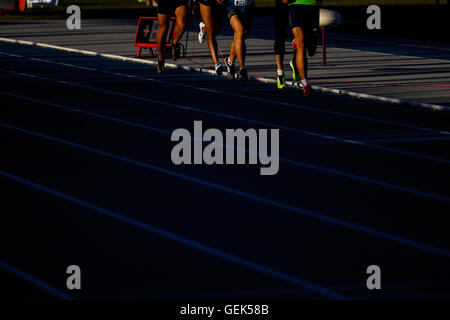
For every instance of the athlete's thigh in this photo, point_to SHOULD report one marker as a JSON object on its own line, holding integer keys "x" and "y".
{"x": 235, "y": 22}
{"x": 181, "y": 13}
{"x": 162, "y": 19}
{"x": 206, "y": 12}
{"x": 281, "y": 20}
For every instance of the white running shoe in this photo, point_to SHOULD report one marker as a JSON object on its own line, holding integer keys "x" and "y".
{"x": 201, "y": 34}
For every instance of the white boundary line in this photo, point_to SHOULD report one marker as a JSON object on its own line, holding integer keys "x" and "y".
{"x": 258, "y": 79}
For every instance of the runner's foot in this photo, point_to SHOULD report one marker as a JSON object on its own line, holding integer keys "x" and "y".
{"x": 281, "y": 83}
{"x": 243, "y": 75}
{"x": 219, "y": 69}
{"x": 307, "y": 91}
{"x": 201, "y": 34}
{"x": 295, "y": 73}
{"x": 175, "y": 51}
{"x": 161, "y": 67}
{"x": 231, "y": 69}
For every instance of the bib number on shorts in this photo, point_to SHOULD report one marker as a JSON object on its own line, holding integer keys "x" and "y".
{"x": 242, "y": 3}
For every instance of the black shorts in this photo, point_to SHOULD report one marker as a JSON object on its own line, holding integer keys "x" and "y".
{"x": 245, "y": 14}
{"x": 209, "y": 3}
{"x": 305, "y": 17}
{"x": 167, "y": 7}
{"x": 281, "y": 24}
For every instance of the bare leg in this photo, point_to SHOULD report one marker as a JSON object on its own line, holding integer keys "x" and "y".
{"x": 232, "y": 53}
{"x": 161, "y": 35}
{"x": 300, "y": 57}
{"x": 181, "y": 14}
{"x": 238, "y": 47}
{"x": 279, "y": 58}
{"x": 212, "y": 29}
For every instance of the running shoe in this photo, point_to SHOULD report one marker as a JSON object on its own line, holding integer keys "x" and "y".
{"x": 295, "y": 74}
{"x": 201, "y": 34}
{"x": 175, "y": 51}
{"x": 231, "y": 69}
{"x": 243, "y": 75}
{"x": 161, "y": 67}
{"x": 219, "y": 69}
{"x": 281, "y": 83}
{"x": 307, "y": 91}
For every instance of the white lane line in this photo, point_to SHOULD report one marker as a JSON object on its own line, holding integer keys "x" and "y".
{"x": 407, "y": 139}
{"x": 236, "y": 192}
{"x": 314, "y": 109}
{"x": 282, "y": 159}
{"x": 34, "y": 280}
{"x": 260, "y": 79}
{"x": 192, "y": 243}
{"x": 234, "y": 117}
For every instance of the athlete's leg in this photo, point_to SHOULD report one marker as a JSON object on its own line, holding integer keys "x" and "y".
{"x": 161, "y": 35}
{"x": 313, "y": 32}
{"x": 300, "y": 57}
{"x": 238, "y": 46}
{"x": 232, "y": 53}
{"x": 281, "y": 18}
{"x": 207, "y": 16}
{"x": 312, "y": 44}
{"x": 181, "y": 14}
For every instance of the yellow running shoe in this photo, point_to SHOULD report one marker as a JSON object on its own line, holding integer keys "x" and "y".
{"x": 295, "y": 74}
{"x": 281, "y": 83}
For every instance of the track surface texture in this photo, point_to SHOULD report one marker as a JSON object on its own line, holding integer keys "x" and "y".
{"x": 87, "y": 179}
{"x": 370, "y": 64}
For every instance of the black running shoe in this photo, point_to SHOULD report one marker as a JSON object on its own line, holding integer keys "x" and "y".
{"x": 231, "y": 69}
{"x": 161, "y": 67}
{"x": 219, "y": 69}
{"x": 175, "y": 51}
{"x": 243, "y": 75}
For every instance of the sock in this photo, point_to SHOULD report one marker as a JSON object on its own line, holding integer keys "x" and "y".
{"x": 304, "y": 83}
{"x": 280, "y": 72}
{"x": 229, "y": 62}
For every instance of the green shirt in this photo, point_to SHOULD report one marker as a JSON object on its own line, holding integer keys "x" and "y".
{"x": 307, "y": 2}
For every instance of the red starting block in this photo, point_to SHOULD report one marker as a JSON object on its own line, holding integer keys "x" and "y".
{"x": 146, "y": 34}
